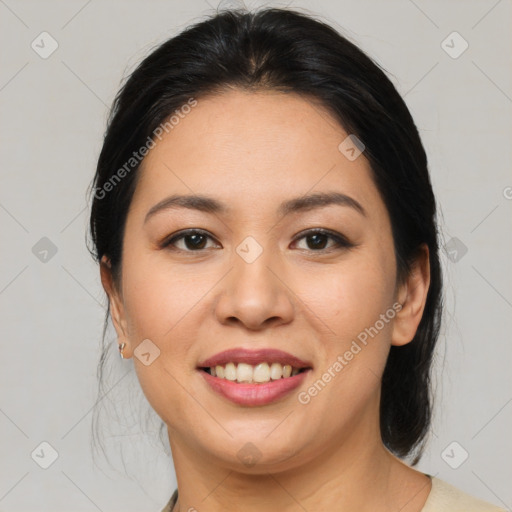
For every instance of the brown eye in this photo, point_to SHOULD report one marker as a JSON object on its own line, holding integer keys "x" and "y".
{"x": 317, "y": 240}
{"x": 193, "y": 241}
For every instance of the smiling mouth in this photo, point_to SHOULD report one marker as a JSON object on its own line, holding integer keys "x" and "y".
{"x": 253, "y": 374}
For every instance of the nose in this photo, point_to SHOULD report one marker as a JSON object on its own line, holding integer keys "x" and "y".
{"x": 255, "y": 294}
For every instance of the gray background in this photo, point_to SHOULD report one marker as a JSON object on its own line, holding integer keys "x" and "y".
{"x": 53, "y": 117}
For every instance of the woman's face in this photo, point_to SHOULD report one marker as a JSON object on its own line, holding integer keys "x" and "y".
{"x": 258, "y": 276}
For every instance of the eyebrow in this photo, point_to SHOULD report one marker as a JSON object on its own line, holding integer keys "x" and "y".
{"x": 299, "y": 204}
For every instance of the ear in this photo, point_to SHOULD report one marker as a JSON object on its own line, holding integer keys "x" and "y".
{"x": 116, "y": 304}
{"x": 412, "y": 295}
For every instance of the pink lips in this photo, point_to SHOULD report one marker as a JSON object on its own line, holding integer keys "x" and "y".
{"x": 252, "y": 394}
{"x": 253, "y": 357}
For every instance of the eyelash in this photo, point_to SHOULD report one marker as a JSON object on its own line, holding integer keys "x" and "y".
{"x": 340, "y": 241}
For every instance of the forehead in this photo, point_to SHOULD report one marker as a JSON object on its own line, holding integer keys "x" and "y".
{"x": 239, "y": 123}
{"x": 252, "y": 148}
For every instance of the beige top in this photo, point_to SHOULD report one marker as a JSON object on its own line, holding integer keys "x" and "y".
{"x": 443, "y": 497}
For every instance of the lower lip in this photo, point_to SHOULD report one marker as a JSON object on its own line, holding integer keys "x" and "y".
{"x": 254, "y": 394}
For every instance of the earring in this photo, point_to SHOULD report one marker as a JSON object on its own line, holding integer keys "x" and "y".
{"x": 121, "y": 348}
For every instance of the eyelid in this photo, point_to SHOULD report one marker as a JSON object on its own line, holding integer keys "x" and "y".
{"x": 340, "y": 240}
{"x": 323, "y": 231}
{"x": 166, "y": 242}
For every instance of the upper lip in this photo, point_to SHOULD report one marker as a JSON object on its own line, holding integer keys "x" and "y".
{"x": 253, "y": 357}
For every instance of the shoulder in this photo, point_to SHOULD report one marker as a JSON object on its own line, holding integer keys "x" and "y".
{"x": 171, "y": 502}
{"x": 446, "y": 498}
{"x": 442, "y": 498}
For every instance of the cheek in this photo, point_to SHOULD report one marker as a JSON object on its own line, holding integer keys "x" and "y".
{"x": 351, "y": 361}
{"x": 164, "y": 307}
{"x": 160, "y": 298}
{"x": 354, "y": 295}
{"x": 355, "y": 302}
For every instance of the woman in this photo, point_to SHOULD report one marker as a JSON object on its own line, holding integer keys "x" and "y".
{"x": 266, "y": 231}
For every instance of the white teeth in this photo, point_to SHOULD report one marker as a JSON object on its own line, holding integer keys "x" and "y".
{"x": 230, "y": 371}
{"x": 276, "y": 371}
{"x": 244, "y": 372}
{"x": 260, "y": 373}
